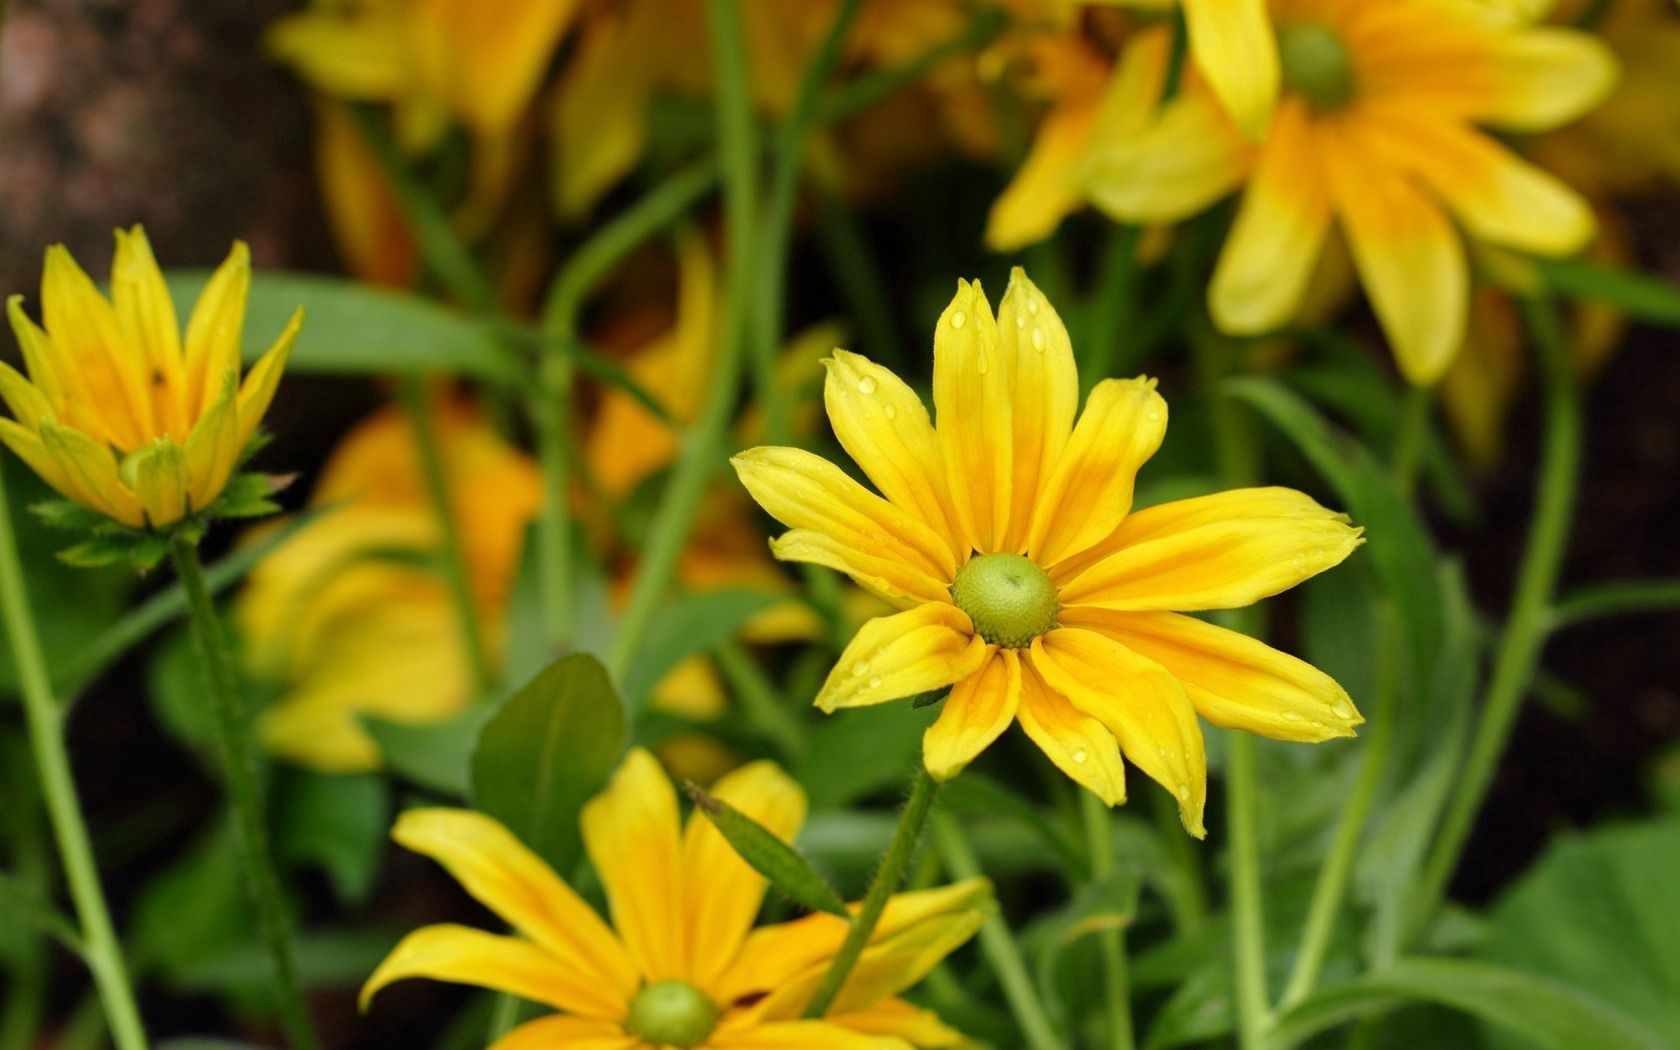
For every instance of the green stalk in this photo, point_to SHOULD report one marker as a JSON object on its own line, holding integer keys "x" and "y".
{"x": 703, "y": 448}
{"x": 1412, "y": 437}
{"x": 239, "y": 766}
{"x": 788, "y": 155}
{"x": 413, "y": 393}
{"x": 1338, "y": 865}
{"x": 997, "y": 944}
{"x": 888, "y": 877}
{"x": 1530, "y": 619}
{"x": 1113, "y": 305}
{"x": 1117, "y": 993}
{"x": 759, "y": 702}
{"x": 45, "y": 716}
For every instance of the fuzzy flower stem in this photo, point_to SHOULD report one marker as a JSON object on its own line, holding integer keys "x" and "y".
{"x": 1530, "y": 618}
{"x": 46, "y": 739}
{"x": 888, "y": 877}
{"x": 239, "y": 766}
{"x": 1117, "y": 994}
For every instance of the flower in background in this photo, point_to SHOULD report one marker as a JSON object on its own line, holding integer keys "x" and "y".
{"x": 1377, "y": 131}
{"x": 681, "y": 964}
{"x": 1028, "y": 585}
{"x": 121, "y": 413}
{"x": 345, "y": 614}
{"x": 1236, "y": 52}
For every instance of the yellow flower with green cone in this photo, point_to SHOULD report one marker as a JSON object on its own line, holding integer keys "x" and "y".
{"x": 681, "y": 964}
{"x": 122, "y": 413}
{"x": 1379, "y": 130}
{"x": 1027, "y": 583}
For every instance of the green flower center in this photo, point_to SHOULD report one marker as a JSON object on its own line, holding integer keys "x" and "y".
{"x": 1010, "y": 600}
{"x": 1317, "y": 64}
{"x": 671, "y": 1013}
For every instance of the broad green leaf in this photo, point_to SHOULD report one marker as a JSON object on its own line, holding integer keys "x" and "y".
{"x": 335, "y": 823}
{"x": 858, "y": 753}
{"x": 790, "y": 873}
{"x": 436, "y": 755}
{"x": 1641, "y": 296}
{"x": 359, "y": 329}
{"x": 690, "y": 625}
{"x": 1599, "y": 911}
{"x": 1548, "y": 1014}
{"x": 545, "y": 751}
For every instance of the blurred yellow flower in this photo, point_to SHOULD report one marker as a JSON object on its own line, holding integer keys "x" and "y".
{"x": 343, "y": 616}
{"x": 681, "y": 965}
{"x": 1029, "y": 587}
{"x": 121, "y": 413}
{"x": 1377, "y": 130}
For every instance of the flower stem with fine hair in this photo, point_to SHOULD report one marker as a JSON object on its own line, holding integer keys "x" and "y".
{"x": 232, "y": 732}
{"x": 45, "y": 717}
{"x": 888, "y": 877}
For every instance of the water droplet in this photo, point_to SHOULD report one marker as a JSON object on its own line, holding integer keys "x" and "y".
{"x": 1343, "y": 711}
{"x": 1155, "y": 415}
{"x": 875, "y": 683}
{"x": 1291, "y": 716}
{"x": 860, "y": 668}
{"x": 1020, "y": 321}
{"x": 982, "y": 364}
{"x": 1079, "y": 757}
{"x": 959, "y": 319}
{"x": 1032, "y": 307}
{"x": 866, "y": 385}
{"x": 1184, "y": 792}
{"x": 1164, "y": 752}
{"x": 1038, "y": 339}
{"x": 892, "y": 413}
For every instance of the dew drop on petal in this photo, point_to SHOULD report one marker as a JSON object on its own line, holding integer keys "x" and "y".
{"x": 982, "y": 364}
{"x": 1184, "y": 792}
{"x": 1155, "y": 415}
{"x": 959, "y": 319}
{"x": 866, "y": 385}
{"x": 892, "y": 413}
{"x": 1080, "y": 756}
{"x": 1038, "y": 339}
{"x": 875, "y": 683}
{"x": 1291, "y": 716}
{"x": 1343, "y": 711}
{"x": 860, "y": 668}
{"x": 1020, "y": 321}
{"x": 1032, "y": 307}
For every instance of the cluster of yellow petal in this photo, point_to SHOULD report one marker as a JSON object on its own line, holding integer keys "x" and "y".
{"x": 120, "y": 413}
{"x": 682, "y": 904}
{"x": 343, "y": 617}
{"x": 1008, "y": 469}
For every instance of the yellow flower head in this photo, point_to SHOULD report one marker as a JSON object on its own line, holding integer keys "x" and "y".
{"x": 1377, "y": 130}
{"x": 347, "y": 626}
{"x": 1028, "y": 586}
{"x": 681, "y": 965}
{"x": 121, "y": 413}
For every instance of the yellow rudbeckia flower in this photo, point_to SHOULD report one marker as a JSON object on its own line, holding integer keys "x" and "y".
{"x": 1028, "y": 585}
{"x": 1378, "y": 130}
{"x": 121, "y": 413}
{"x": 681, "y": 965}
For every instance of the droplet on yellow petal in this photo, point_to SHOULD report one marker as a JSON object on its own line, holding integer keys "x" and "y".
{"x": 1079, "y": 745}
{"x": 1045, "y": 397}
{"x": 892, "y": 657}
{"x": 976, "y": 713}
{"x": 972, "y": 396}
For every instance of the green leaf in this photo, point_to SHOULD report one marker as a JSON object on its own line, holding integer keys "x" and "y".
{"x": 336, "y": 823}
{"x": 768, "y": 855}
{"x": 858, "y": 753}
{"x": 1640, "y": 296}
{"x": 325, "y": 959}
{"x": 975, "y": 795}
{"x": 21, "y": 906}
{"x": 689, "y": 625}
{"x": 434, "y": 755}
{"x": 1548, "y": 1014}
{"x": 193, "y": 908}
{"x": 1109, "y": 904}
{"x": 1598, "y": 911}
{"x": 352, "y": 328}
{"x": 545, "y": 751}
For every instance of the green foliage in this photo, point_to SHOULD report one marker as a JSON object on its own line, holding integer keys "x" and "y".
{"x": 780, "y": 863}
{"x": 689, "y": 625}
{"x": 337, "y": 824}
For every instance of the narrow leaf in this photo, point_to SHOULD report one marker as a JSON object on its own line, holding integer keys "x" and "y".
{"x": 768, "y": 855}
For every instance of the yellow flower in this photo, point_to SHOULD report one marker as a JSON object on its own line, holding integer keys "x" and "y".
{"x": 1377, "y": 130}
{"x": 348, "y": 626}
{"x": 120, "y": 413}
{"x": 1028, "y": 586}
{"x": 681, "y": 965}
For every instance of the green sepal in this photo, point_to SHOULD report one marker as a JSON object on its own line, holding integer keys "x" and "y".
{"x": 929, "y": 698}
{"x": 768, "y": 855}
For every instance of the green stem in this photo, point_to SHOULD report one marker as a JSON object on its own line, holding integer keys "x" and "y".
{"x": 703, "y": 448}
{"x": 857, "y": 275}
{"x": 758, "y": 699}
{"x": 870, "y": 88}
{"x": 888, "y": 877}
{"x": 1530, "y": 618}
{"x": 1605, "y": 600}
{"x": 25, "y": 1002}
{"x": 239, "y": 766}
{"x": 1112, "y": 306}
{"x": 789, "y": 153}
{"x": 1412, "y": 437}
{"x": 52, "y": 763}
{"x": 1117, "y": 995}
{"x": 997, "y": 944}
{"x": 456, "y": 575}
{"x": 1338, "y": 865}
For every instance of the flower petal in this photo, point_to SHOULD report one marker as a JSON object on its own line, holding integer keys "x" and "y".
{"x": 721, "y": 894}
{"x": 83, "y": 324}
{"x": 1235, "y": 50}
{"x": 1090, "y": 491}
{"x": 894, "y": 1017}
{"x": 630, "y": 831}
{"x": 1078, "y": 744}
{"x": 214, "y": 329}
{"x": 1186, "y": 159}
{"x": 979, "y": 708}
{"x": 1206, "y": 553}
{"x": 800, "y": 1035}
{"x": 90, "y": 471}
{"x": 1408, "y": 255}
{"x": 563, "y": 1032}
{"x": 1045, "y": 397}
{"x": 806, "y": 492}
{"x": 157, "y": 474}
{"x": 213, "y": 447}
{"x": 463, "y": 955}
{"x": 1140, "y": 703}
{"x": 928, "y": 647}
{"x": 47, "y": 369}
{"x": 599, "y": 119}
{"x": 1233, "y": 680}
{"x": 1044, "y": 190}
{"x": 257, "y": 392}
{"x": 504, "y": 875}
{"x": 885, "y": 428}
{"x": 972, "y": 381}
{"x": 26, "y": 400}
{"x": 147, "y": 316}
{"x": 355, "y": 58}
{"x": 1279, "y": 232}
{"x": 1543, "y": 77}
